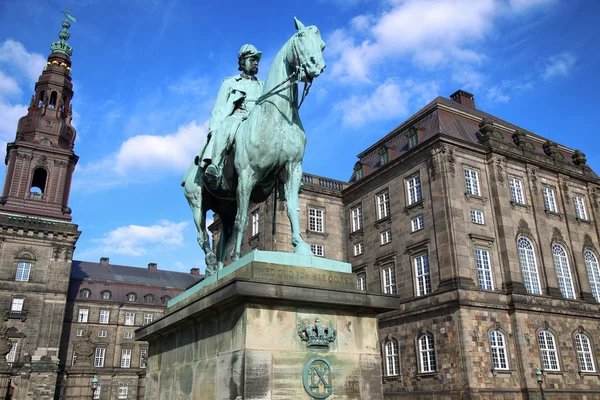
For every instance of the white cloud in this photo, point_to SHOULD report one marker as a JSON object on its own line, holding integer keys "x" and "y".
{"x": 134, "y": 240}
{"x": 559, "y": 65}
{"x": 495, "y": 94}
{"x": 468, "y": 79}
{"x": 8, "y": 86}
{"x": 10, "y": 117}
{"x": 14, "y": 55}
{"x": 526, "y": 5}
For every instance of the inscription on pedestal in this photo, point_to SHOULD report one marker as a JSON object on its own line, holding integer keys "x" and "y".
{"x": 304, "y": 275}
{"x": 317, "y": 378}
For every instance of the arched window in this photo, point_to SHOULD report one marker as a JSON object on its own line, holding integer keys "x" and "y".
{"x": 384, "y": 156}
{"x": 548, "y": 351}
{"x": 531, "y": 279}
{"x": 85, "y": 293}
{"x": 498, "y": 346}
{"x": 584, "y": 353}
{"x": 563, "y": 273}
{"x": 106, "y": 295}
{"x": 149, "y": 298}
{"x": 165, "y": 299}
{"x": 427, "y": 353}
{"x": 38, "y": 183}
{"x": 358, "y": 169}
{"x": 41, "y": 98}
{"x": 131, "y": 297}
{"x": 591, "y": 263}
{"x": 53, "y": 97}
{"x": 392, "y": 358}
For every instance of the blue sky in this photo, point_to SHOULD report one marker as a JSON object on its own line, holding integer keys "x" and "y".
{"x": 146, "y": 73}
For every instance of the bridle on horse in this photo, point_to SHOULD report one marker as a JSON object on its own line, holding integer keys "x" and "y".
{"x": 292, "y": 78}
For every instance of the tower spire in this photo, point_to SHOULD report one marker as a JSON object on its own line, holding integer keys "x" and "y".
{"x": 62, "y": 46}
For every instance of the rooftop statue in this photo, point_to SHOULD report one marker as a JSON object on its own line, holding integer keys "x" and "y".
{"x": 256, "y": 144}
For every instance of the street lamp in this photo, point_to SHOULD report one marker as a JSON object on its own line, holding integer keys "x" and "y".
{"x": 540, "y": 380}
{"x": 94, "y": 386}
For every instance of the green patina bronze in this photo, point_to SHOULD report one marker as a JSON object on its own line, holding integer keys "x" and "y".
{"x": 316, "y": 378}
{"x": 62, "y": 46}
{"x": 257, "y": 145}
{"x": 317, "y": 336}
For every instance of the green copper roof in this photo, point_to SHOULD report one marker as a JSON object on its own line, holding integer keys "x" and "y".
{"x": 62, "y": 46}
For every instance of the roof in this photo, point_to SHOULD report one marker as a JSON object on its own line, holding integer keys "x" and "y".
{"x": 81, "y": 270}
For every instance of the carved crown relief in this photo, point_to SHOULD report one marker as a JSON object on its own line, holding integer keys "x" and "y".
{"x": 523, "y": 228}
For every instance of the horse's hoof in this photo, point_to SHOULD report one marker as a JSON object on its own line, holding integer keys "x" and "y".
{"x": 303, "y": 249}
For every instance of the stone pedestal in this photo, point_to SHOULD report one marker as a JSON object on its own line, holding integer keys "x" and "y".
{"x": 252, "y": 333}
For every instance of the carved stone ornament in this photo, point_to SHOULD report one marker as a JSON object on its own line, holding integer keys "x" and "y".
{"x": 557, "y": 236}
{"x": 550, "y": 148}
{"x": 5, "y": 343}
{"x": 317, "y": 336}
{"x": 84, "y": 348}
{"x": 565, "y": 187}
{"x": 579, "y": 158}
{"x": 534, "y": 180}
{"x": 519, "y": 137}
{"x": 580, "y": 329}
{"x": 588, "y": 243}
{"x": 486, "y": 127}
{"x": 500, "y": 170}
{"x": 546, "y": 325}
{"x": 433, "y": 164}
{"x": 451, "y": 160}
{"x": 523, "y": 229}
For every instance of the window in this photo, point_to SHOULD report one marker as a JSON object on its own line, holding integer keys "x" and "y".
{"x": 255, "y": 223}
{"x": 422, "y": 274}
{"x": 580, "y": 210}
{"x": 358, "y": 169}
{"x": 23, "y": 270}
{"x": 563, "y": 273}
{"x": 130, "y": 318}
{"x": 484, "y": 271}
{"x": 528, "y": 266}
{"x": 131, "y": 297}
{"x": 149, "y": 298}
{"x": 99, "y": 357}
{"x": 125, "y": 358}
{"x": 383, "y": 205}
{"x": 79, "y": 332}
{"x": 102, "y": 333}
{"x": 74, "y": 359}
{"x": 388, "y": 280}
{"x": 85, "y": 293}
{"x": 417, "y": 223}
{"x": 548, "y": 351}
{"x": 392, "y": 358}
{"x": 413, "y": 139}
{"x": 97, "y": 392}
{"x": 12, "y": 354}
{"x": 317, "y": 250}
{"x": 82, "y": 316}
{"x": 122, "y": 392}
{"x": 17, "y": 304}
{"x": 361, "y": 281}
{"x": 549, "y": 200}
{"x": 477, "y": 217}
{"x": 359, "y": 248}
{"x": 498, "y": 346}
{"x": 106, "y": 295}
{"x": 472, "y": 182}
{"x": 128, "y": 335}
{"x": 104, "y": 317}
{"x": 315, "y": 220}
{"x": 356, "y": 218}
{"x": 386, "y": 236}
{"x": 413, "y": 188}
{"x": 593, "y": 270}
{"x": 147, "y": 318}
{"x": 384, "y": 156}
{"x": 516, "y": 191}
{"x": 427, "y": 353}
{"x": 143, "y": 357}
{"x": 584, "y": 353}
{"x": 165, "y": 299}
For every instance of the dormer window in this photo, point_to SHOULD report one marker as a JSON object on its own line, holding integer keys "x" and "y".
{"x": 413, "y": 138}
{"x": 131, "y": 297}
{"x": 106, "y": 295}
{"x": 85, "y": 293}
{"x": 384, "y": 156}
{"x": 358, "y": 169}
{"x": 149, "y": 298}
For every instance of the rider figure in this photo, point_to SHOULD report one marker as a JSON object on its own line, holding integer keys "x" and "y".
{"x": 236, "y": 98}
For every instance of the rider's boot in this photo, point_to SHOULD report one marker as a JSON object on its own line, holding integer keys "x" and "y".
{"x": 212, "y": 175}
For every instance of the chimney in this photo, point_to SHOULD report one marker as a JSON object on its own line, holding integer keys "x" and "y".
{"x": 152, "y": 267}
{"x": 465, "y": 98}
{"x": 195, "y": 271}
{"x": 103, "y": 260}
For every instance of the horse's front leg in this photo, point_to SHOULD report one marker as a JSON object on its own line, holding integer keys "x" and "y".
{"x": 292, "y": 187}
{"x": 227, "y": 223}
{"x": 210, "y": 258}
{"x": 244, "y": 189}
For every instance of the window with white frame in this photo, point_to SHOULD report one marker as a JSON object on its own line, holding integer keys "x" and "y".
{"x": 388, "y": 279}
{"x": 417, "y": 223}
{"x": 386, "y": 236}
{"x": 129, "y": 318}
{"x": 23, "y": 271}
{"x": 563, "y": 272}
{"x": 356, "y": 218}
{"x": 79, "y": 332}
{"x": 97, "y": 392}
{"x": 104, "y": 317}
{"x": 361, "y": 281}
{"x": 12, "y": 354}
{"x": 106, "y": 295}
{"x": 548, "y": 352}
{"x": 102, "y": 333}
{"x": 413, "y": 189}
{"x": 99, "y": 357}
{"x": 498, "y": 347}
{"x": 516, "y": 191}
{"x": 128, "y": 335}
{"x": 17, "y": 304}
{"x": 422, "y": 276}
{"x": 125, "y": 358}
{"x": 148, "y": 318}
{"x": 317, "y": 250}
{"x": 413, "y": 139}
{"x": 74, "y": 359}
{"x": 580, "y": 210}
{"x": 122, "y": 393}
{"x": 484, "y": 269}
{"x": 427, "y": 353}
{"x": 255, "y": 223}
{"x": 383, "y": 204}
{"x": 392, "y": 358}
{"x": 549, "y": 200}
{"x": 143, "y": 357}
{"x": 315, "y": 219}
{"x": 384, "y": 156}
{"x": 82, "y": 315}
{"x": 472, "y": 182}
{"x": 477, "y": 217}
{"x": 593, "y": 270}
{"x": 359, "y": 248}
{"x": 584, "y": 353}
{"x": 531, "y": 278}
{"x": 131, "y": 297}
{"x": 85, "y": 293}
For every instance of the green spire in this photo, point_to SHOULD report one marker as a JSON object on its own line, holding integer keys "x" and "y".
{"x": 62, "y": 46}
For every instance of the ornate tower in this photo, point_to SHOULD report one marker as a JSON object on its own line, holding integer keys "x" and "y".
{"x": 40, "y": 162}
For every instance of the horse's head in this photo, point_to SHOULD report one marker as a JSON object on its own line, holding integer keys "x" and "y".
{"x": 308, "y": 48}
